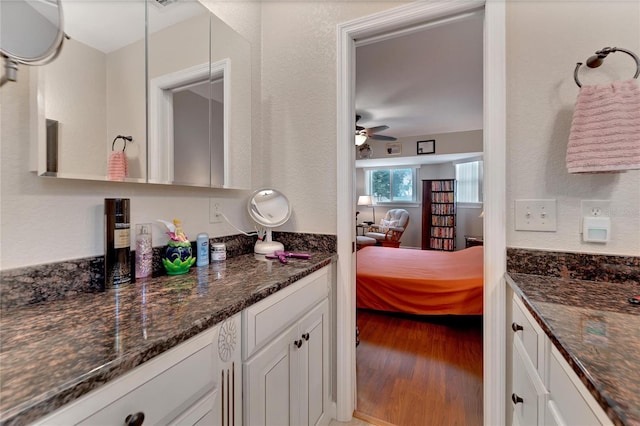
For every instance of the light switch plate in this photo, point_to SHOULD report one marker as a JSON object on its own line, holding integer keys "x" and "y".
{"x": 536, "y": 215}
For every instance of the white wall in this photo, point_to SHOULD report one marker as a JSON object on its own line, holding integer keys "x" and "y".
{"x": 544, "y": 42}
{"x": 78, "y": 122}
{"x": 446, "y": 143}
{"x": 299, "y": 104}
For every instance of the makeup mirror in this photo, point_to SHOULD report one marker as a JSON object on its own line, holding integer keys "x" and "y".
{"x": 31, "y": 33}
{"x": 269, "y": 208}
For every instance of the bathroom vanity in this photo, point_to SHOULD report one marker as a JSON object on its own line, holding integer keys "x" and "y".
{"x": 572, "y": 348}
{"x": 175, "y": 349}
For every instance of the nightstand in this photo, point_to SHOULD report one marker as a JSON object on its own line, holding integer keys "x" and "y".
{"x": 470, "y": 241}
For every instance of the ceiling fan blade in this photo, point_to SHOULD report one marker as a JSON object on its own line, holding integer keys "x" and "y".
{"x": 382, "y": 138}
{"x": 358, "y": 128}
{"x": 376, "y": 129}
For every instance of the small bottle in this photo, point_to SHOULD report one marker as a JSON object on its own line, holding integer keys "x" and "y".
{"x": 117, "y": 242}
{"x": 144, "y": 251}
{"x": 218, "y": 252}
{"x": 202, "y": 244}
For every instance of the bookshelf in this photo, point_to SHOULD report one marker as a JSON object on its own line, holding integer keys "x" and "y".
{"x": 438, "y": 215}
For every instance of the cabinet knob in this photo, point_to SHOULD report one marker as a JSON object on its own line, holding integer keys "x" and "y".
{"x": 298, "y": 343}
{"x": 516, "y": 399}
{"x": 305, "y": 336}
{"x": 134, "y": 419}
{"x": 516, "y": 327}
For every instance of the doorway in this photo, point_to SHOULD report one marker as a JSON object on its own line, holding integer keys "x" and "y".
{"x": 422, "y": 83}
{"x": 494, "y": 183}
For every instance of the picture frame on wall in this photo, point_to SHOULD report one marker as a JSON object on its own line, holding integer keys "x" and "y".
{"x": 427, "y": 147}
{"x": 394, "y": 149}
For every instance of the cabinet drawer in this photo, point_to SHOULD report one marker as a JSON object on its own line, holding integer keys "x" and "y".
{"x": 572, "y": 402}
{"x": 527, "y": 331}
{"x": 162, "y": 388}
{"x": 269, "y": 317}
{"x": 525, "y": 385}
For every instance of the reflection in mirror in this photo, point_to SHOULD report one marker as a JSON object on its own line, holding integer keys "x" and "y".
{"x": 269, "y": 208}
{"x": 95, "y": 91}
{"x": 179, "y": 94}
{"x": 98, "y": 92}
{"x": 31, "y": 32}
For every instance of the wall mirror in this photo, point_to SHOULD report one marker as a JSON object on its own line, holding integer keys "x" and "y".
{"x": 184, "y": 99}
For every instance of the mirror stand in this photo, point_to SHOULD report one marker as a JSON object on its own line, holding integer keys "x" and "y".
{"x": 268, "y": 246}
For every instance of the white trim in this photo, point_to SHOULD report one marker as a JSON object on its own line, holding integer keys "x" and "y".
{"x": 494, "y": 195}
{"x": 160, "y": 142}
{"x": 494, "y": 155}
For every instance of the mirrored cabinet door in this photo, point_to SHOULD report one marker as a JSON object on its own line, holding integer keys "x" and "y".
{"x": 93, "y": 92}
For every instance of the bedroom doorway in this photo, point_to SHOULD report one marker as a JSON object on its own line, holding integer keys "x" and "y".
{"x": 494, "y": 184}
{"x": 418, "y": 84}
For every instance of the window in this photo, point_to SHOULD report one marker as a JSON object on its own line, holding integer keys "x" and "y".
{"x": 469, "y": 182}
{"x": 398, "y": 185}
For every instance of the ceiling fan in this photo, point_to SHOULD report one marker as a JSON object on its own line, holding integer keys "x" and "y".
{"x": 362, "y": 133}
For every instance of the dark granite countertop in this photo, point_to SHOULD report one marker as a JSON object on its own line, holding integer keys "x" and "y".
{"x": 54, "y": 352}
{"x": 598, "y": 332}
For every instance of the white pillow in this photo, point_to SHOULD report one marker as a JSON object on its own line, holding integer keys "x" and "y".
{"x": 386, "y": 224}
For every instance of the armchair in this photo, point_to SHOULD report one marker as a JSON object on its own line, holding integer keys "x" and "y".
{"x": 390, "y": 230}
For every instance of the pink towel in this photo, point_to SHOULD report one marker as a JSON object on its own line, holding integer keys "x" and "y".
{"x": 605, "y": 131}
{"x": 117, "y": 166}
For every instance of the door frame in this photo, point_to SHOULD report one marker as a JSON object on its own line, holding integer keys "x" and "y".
{"x": 494, "y": 136}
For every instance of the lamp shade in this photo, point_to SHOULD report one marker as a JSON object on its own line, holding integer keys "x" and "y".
{"x": 365, "y": 200}
{"x": 360, "y": 139}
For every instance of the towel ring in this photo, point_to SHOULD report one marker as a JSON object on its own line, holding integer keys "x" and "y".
{"x": 124, "y": 138}
{"x": 596, "y": 60}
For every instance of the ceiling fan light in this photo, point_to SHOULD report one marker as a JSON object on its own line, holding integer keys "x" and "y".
{"x": 360, "y": 139}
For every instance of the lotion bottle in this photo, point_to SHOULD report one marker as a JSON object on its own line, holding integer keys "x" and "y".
{"x": 144, "y": 250}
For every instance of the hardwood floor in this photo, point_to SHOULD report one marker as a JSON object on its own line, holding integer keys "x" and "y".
{"x": 416, "y": 371}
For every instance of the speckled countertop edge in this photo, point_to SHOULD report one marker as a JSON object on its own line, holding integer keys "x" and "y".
{"x": 614, "y": 409}
{"x": 165, "y": 310}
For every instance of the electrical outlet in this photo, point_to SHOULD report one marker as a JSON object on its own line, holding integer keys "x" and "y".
{"x": 215, "y": 210}
{"x": 594, "y": 208}
{"x": 535, "y": 215}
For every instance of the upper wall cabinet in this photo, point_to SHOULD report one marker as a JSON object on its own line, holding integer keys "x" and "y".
{"x": 174, "y": 95}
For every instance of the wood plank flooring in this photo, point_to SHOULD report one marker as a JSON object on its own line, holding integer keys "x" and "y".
{"x": 417, "y": 371}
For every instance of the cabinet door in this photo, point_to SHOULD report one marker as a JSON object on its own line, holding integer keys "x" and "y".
{"x": 313, "y": 364}
{"x": 228, "y": 403}
{"x": 269, "y": 396}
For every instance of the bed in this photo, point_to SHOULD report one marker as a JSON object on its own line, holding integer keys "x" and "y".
{"x": 422, "y": 282}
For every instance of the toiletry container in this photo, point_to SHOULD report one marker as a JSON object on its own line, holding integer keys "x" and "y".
{"x": 218, "y": 252}
{"x": 202, "y": 244}
{"x": 117, "y": 242}
{"x": 144, "y": 251}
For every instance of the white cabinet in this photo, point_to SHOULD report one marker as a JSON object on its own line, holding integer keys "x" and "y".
{"x": 543, "y": 388}
{"x": 286, "y": 377}
{"x": 227, "y": 409}
{"x": 183, "y": 386}
{"x": 180, "y": 383}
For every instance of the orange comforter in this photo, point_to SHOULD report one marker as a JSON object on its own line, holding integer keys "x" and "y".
{"x": 420, "y": 281}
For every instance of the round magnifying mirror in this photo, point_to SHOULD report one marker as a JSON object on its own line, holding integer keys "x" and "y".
{"x": 31, "y": 32}
{"x": 269, "y": 208}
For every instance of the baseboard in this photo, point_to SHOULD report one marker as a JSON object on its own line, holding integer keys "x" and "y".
{"x": 370, "y": 419}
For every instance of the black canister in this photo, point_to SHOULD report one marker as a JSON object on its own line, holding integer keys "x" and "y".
{"x": 117, "y": 242}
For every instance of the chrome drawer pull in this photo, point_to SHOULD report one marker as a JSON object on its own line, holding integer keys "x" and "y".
{"x": 516, "y": 327}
